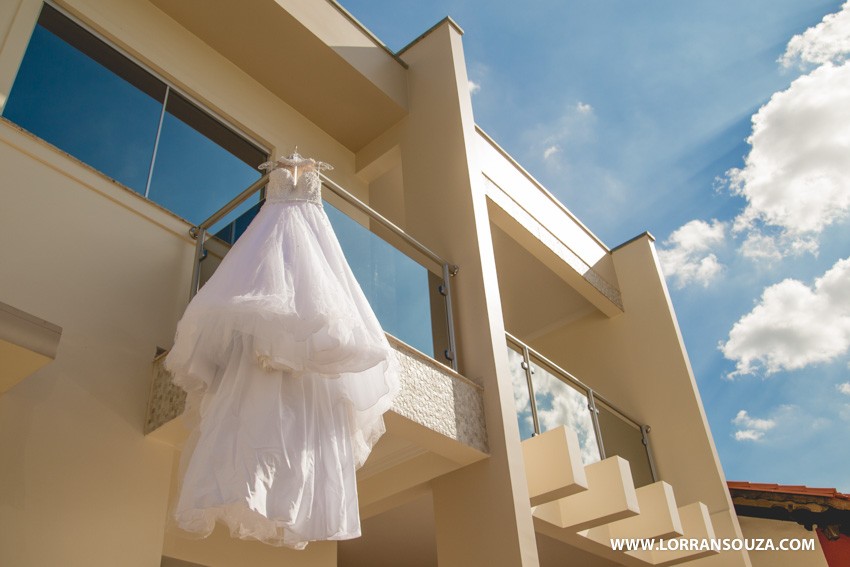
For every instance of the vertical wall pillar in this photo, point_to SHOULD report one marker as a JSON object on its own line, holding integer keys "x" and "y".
{"x": 482, "y": 512}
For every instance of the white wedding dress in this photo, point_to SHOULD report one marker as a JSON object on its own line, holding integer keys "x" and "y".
{"x": 289, "y": 374}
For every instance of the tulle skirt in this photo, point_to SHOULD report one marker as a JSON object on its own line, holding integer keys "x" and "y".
{"x": 288, "y": 374}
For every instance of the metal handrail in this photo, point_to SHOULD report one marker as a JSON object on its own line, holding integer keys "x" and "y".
{"x": 340, "y": 192}
{"x": 449, "y": 270}
{"x": 234, "y": 202}
{"x": 592, "y": 396}
{"x": 199, "y": 232}
{"x": 568, "y": 375}
{"x": 363, "y": 207}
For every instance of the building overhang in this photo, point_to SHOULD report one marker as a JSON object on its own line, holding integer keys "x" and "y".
{"x": 522, "y": 208}
{"x": 26, "y": 344}
{"x": 313, "y": 56}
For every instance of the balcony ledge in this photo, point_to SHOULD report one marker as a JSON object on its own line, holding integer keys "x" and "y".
{"x": 26, "y": 344}
{"x": 435, "y": 426}
{"x": 432, "y": 395}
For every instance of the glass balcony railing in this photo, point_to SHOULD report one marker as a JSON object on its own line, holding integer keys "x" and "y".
{"x": 406, "y": 284}
{"x": 546, "y": 397}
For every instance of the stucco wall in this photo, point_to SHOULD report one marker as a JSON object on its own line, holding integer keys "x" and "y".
{"x": 79, "y": 484}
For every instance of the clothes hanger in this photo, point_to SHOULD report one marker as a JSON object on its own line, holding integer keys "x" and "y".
{"x": 293, "y": 161}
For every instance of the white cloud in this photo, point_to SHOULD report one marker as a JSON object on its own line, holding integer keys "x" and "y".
{"x": 759, "y": 246}
{"x": 748, "y": 435}
{"x": 474, "y": 87}
{"x": 844, "y": 388}
{"x": 745, "y": 420}
{"x": 750, "y": 428}
{"x": 564, "y": 138}
{"x": 794, "y": 325}
{"x": 550, "y": 151}
{"x": 559, "y": 404}
{"x": 687, "y": 257}
{"x": 829, "y": 41}
{"x": 796, "y": 177}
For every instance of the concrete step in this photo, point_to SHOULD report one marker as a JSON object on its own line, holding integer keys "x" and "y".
{"x": 610, "y": 496}
{"x": 658, "y": 518}
{"x": 553, "y": 467}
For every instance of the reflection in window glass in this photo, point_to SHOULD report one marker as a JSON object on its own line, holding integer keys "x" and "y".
{"x": 70, "y": 92}
{"x": 395, "y": 285}
{"x": 200, "y": 165}
{"x": 522, "y": 399}
{"x": 558, "y": 403}
{"x": 623, "y": 438}
{"x": 81, "y": 95}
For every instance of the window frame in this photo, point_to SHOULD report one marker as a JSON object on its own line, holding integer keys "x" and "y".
{"x": 157, "y": 75}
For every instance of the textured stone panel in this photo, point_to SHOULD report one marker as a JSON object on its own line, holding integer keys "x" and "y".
{"x": 166, "y": 400}
{"x": 439, "y": 398}
{"x": 431, "y": 394}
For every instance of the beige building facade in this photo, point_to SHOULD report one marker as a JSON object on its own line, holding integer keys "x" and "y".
{"x": 548, "y": 403}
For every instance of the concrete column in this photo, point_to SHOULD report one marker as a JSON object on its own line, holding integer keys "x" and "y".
{"x": 482, "y": 512}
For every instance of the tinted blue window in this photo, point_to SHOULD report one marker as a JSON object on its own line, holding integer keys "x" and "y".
{"x": 78, "y": 105}
{"x": 81, "y": 95}
{"x": 200, "y": 165}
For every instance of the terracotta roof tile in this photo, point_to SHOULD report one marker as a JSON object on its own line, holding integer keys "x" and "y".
{"x": 788, "y": 489}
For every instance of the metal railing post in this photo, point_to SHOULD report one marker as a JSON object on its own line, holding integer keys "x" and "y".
{"x": 451, "y": 353}
{"x": 201, "y": 235}
{"x": 594, "y": 416}
{"x": 526, "y": 365}
{"x": 644, "y": 433}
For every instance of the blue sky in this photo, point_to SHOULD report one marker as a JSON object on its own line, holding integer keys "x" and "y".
{"x": 637, "y": 117}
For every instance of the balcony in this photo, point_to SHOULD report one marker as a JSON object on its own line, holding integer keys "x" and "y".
{"x": 595, "y": 357}
{"x": 589, "y": 463}
{"x": 437, "y": 422}
{"x": 548, "y": 397}
{"x": 589, "y": 467}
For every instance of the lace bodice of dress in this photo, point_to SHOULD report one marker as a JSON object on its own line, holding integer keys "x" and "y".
{"x": 284, "y": 187}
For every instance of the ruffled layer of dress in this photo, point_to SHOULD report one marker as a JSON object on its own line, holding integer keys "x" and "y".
{"x": 289, "y": 374}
